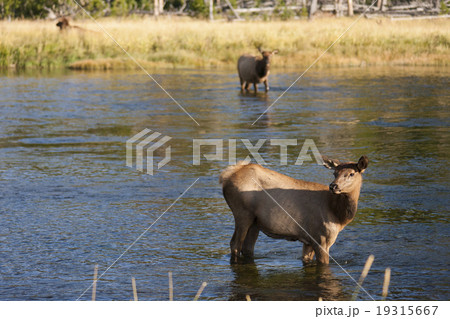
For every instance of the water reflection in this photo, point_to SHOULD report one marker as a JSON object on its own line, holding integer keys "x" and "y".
{"x": 307, "y": 283}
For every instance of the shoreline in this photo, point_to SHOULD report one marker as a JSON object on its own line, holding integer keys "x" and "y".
{"x": 188, "y": 43}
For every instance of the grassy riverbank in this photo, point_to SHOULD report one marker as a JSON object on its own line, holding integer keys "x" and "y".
{"x": 193, "y": 43}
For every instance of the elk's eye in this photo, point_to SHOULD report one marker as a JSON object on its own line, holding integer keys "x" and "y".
{"x": 352, "y": 174}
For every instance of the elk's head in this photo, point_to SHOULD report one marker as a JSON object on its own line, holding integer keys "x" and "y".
{"x": 267, "y": 55}
{"x": 347, "y": 176}
{"x": 63, "y": 24}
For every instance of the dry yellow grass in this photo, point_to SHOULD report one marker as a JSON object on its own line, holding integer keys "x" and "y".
{"x": 181, "y": 42}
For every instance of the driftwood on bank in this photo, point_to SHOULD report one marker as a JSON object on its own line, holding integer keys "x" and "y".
{"x": 445, "y": 16}
{"x": 392, "y": 8}
{"x": 341, "y": 7}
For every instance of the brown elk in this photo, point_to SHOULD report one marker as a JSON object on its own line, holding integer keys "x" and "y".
{"x": 286, "y": 208}
{"x": 64, "y": 24}
{"x": 253, "y": 69}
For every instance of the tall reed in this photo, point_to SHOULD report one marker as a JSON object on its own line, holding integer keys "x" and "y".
{"x": 363, "y": 276}
{"x": 133, "y": 283}
{"x": 387, "y": 279}
{"x": 94, "y": 283}
{"x": 170, "y": 286}
{"x": 200, "y": 290}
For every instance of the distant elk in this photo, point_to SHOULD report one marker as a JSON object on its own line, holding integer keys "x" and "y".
{"x": 255, "y": 69}
{"x": 63, "y": 24}
{"x": 286, "y": 208}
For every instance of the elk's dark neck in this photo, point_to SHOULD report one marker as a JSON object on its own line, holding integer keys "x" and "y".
{"x": 262, "y": 68}
{"x": 344, "y": 206}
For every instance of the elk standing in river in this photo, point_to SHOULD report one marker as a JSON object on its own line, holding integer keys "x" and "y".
{"x": 287, "y": 208}
{"x": 253, "y": 69}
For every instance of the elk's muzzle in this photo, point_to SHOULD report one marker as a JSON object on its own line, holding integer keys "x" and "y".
{"x": 334, "y": 188}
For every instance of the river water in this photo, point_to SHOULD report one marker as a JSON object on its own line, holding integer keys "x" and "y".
{"x": 69, "y": 202}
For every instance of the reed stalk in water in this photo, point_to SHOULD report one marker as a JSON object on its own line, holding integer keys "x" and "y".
{"x": 94, "y": 284}
{"x": 363, "y": 276}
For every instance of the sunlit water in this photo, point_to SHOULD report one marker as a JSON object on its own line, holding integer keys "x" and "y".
{"x": 69, "y": 202}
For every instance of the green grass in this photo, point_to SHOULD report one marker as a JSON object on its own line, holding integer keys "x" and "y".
{"x": 181, "y": 42}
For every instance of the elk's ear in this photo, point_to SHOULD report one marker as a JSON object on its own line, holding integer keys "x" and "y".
{"x": 329, "y": 163}
{"x": 259, "y": 49}
{"x": 275, "y": 51}
{"x": 363, "y": 163}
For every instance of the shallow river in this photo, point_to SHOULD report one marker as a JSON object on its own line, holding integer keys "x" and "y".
{"x": 69, "y": 202}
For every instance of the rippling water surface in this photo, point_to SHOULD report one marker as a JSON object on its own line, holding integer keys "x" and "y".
{"x": 68, "y": 201}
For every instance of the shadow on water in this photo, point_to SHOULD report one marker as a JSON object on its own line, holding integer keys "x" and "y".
{"x": 306, "y": 283}
{"x": 258, "y": 96}
{"x": 255, "y": 106}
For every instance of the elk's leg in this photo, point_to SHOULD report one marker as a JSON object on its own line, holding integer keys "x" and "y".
{"x": 308, "y": 254}
{"x": 323, "y": 254}
{"x": 240, "y": 232}
{"x": 250, "y": 240}
{"x": 242, "y": 84}
{"x": 255, "y": 86}
{"x": 266, "y": 84}
{"x": 247, "y": 85}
